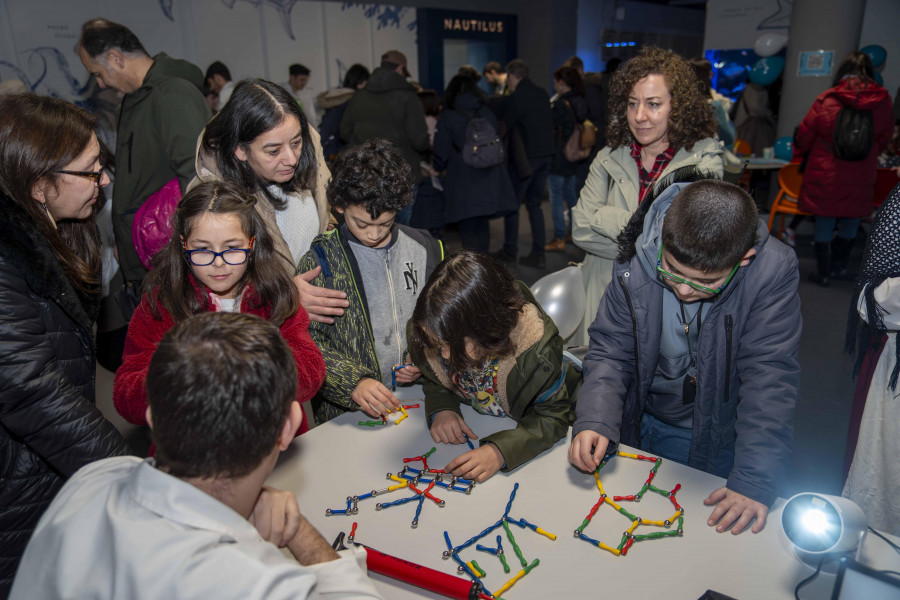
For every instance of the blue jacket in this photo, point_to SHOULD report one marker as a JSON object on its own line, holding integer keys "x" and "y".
{"x": 747, "y": 360}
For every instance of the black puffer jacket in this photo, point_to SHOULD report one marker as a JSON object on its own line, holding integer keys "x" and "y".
{"x": 49, "y": 426}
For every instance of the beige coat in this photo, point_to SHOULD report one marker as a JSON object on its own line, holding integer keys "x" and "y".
{"x": 207, "y": 170}
{"x": 607, "y": 201}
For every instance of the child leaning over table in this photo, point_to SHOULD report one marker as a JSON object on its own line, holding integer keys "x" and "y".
{"x": 380, "y": 265}
{"x": 479, "y": 337}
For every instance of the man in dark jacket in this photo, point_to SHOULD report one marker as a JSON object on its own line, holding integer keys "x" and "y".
{"x": 163, "y": 112}
{"x": 528, "y": 111}
{"x": 693, "y": 355}
{"x": 389, "y": 107}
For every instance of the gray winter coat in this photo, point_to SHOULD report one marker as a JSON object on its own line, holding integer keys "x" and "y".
{"x": 747, "y": 360}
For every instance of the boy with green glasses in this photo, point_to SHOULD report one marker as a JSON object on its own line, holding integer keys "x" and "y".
{"x": 693, "y": 354}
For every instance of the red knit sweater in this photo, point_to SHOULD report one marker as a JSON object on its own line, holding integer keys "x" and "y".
{"x": 145, "y": 332}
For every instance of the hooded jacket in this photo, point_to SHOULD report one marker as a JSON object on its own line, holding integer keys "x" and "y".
{"x": 49, "y": 425}
{"x": 334, "y": 103}
{"x": 833, "y": 187}
{"x": 208, "y": 170}
{"x": 607, "y": 201}
{"x": 388, "y": 107}
{"x": 349, "y": 345}
{"x": 156, "y": 134}
{"x": 535, "y": 387}
{"x": 747, "y": 369}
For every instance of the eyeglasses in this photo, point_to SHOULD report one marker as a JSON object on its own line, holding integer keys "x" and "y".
{"x": 696, "y": 286}
{"x": 94, "y": 176}
{"x": 204, "y": 257}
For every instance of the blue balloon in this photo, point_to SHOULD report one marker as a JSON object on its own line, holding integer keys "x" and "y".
{"x": 877, "y": 53}
{"x": 879, "y": 79}
{"x": 766, "y": 70}
{"x": 784, "y": 148}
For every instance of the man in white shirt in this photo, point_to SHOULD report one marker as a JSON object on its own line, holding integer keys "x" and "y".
{"x": 218, "y": 78}
{"x": 196, "y": 521}
{"x": 298, "y": 86}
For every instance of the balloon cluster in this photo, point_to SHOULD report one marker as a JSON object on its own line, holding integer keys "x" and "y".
{"x": 768, "y": 68}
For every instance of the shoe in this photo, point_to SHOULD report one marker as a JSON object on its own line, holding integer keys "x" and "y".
{"x": 840, "y": 257}
{"x": 789, "y": 237}
{"x": 823, "y": 264}
{"x": 502, "y": 256}
{"x": 535, "y": 261}
{"x": 556, "y": 244}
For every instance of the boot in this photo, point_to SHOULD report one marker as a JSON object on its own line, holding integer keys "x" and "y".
{"x": 840, "y": 257}
{"x": 823, "y": 264}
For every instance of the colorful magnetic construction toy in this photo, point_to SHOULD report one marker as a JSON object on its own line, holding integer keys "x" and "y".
{"x": 393, "y": 418}
{"x": 410, "y": 477}
{"x": 629, "y": 537}
{"x": 472, "y": 568}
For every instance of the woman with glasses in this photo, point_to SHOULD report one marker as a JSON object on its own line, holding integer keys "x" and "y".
{"x": 221, "y": 257}
{"x": 658, "y": 124}
{"x": 51, "y": 173}
{"x": 261, "y": 143}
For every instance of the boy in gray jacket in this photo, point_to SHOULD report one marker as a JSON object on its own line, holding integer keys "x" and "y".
{"x": 693, "y": 354}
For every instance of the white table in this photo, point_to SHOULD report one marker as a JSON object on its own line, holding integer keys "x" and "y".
{"x": 340, "y": 459}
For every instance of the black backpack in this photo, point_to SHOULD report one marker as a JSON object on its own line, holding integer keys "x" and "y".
{"x": 854, "y": 131}
{"x": 482, "y": 147}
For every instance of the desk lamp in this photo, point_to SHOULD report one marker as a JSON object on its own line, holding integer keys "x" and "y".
{"x": 822, "y": 527}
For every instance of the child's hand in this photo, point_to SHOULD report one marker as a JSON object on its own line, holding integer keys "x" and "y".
{"x": 447, "y": 427}
{"x": 478, "y": 464}
{"x": 408, "y": 374}
{"x": 374, "y": 398}
{"x": 276, "y": 516}
{"x": 587, "y": 450}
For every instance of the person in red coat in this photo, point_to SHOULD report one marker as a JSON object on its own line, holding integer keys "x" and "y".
{"x": 220, "y": 258}
{"x": 839, "y": 192}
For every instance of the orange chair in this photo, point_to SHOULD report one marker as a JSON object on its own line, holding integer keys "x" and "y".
{"x": 742, "y": 147}
{"x": 789, "y": 180}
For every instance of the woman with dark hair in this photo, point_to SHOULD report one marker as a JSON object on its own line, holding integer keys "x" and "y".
{"x": 658, "y": 124}
{"x": 471, "y": 196}
{"x": 569, "y": 109}
{"x": 334, "y": 102}
{"x": 51, "y": 172}
{"x": 836, "y": 190}
{"x": 261, "y": 142}
{"x": 506, "y": 362}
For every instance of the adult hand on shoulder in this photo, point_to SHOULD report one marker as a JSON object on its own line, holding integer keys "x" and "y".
{"x": 447, "y": 427}
{"x": 374, "y": 398}
{"x": 276, "y": 516}
{"x": 477, "y": 465}
{"x": 733, "y": 508}
{"x": 408, "y": 374}
{"x": 319, "y": 302}
{"x": 587, "y": 450}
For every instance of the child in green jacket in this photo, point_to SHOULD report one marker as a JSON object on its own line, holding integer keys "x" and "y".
{"x": 480, "y": 338}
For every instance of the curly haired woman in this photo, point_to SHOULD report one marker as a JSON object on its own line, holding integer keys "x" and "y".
{"x": 658, "y": 124}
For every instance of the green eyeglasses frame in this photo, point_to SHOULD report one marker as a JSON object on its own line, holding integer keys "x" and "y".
{"x": 700, "y": 288}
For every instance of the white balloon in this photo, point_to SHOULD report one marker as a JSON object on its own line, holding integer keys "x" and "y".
{"x": 769, "y": 44}
{"x": 561, "y": 295}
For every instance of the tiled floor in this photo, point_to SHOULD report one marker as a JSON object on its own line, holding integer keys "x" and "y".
{"x": 826, "y": 387}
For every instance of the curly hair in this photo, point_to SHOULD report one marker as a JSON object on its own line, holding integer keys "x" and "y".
{"x": 374, "y": 175}
{"x": 691, "y": 119}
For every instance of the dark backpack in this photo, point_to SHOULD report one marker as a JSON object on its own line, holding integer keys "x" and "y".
{"x": 854, "y": 131}
{"x": 482, "y": 147}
